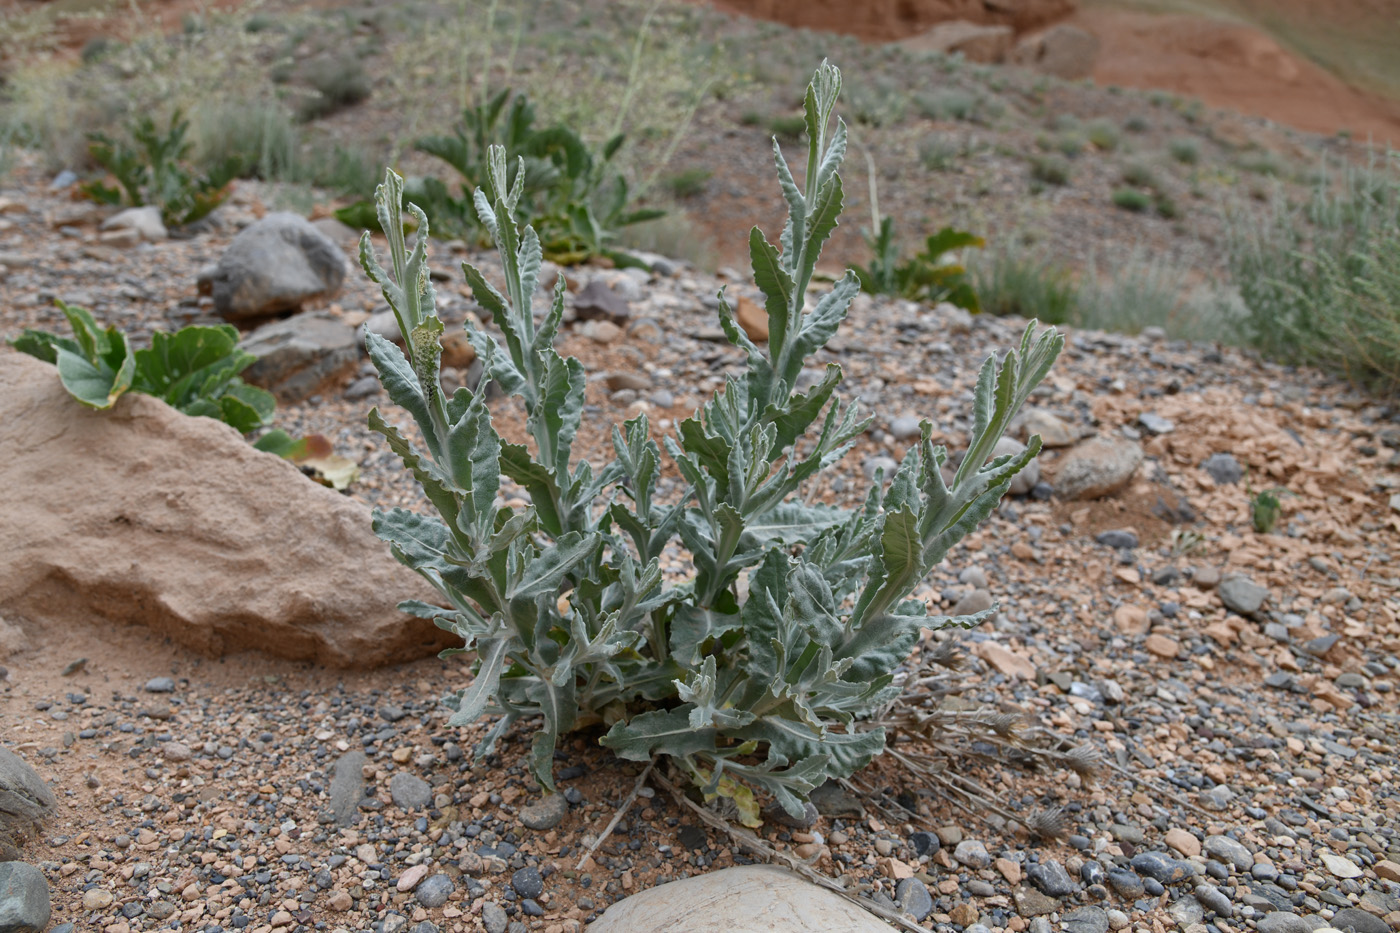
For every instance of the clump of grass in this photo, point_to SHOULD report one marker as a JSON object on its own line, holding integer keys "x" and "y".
{"x": 1322, "y": 281}
{"x": 1104, "y": 135}
{"x": 339, "y": 82}
{"x": 1050, "y": 170}
{"x": 1140, "y": 293}
{"x": 1139, "y": 175}
{"x": 945, "y": 105}
{"x": 687, "y": 183}
{"x": 787, "y": 127}
{"x": 1261, "y": 163}
{"x": 1185, "y": 150}
{"x": 1137, "y": 124}
{"x": 1131, "y": 199}
{"x": 1014, "y": 281}
{"x": 940, "y": 152}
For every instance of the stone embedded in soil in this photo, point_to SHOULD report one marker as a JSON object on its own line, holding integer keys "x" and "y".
{"x": 1005, "y": 660}
{"x": 1097, "y": 467}
{"x": 1118, "y": 538}
{"x": 24, "y": 898}
{"x": 1355, "y": 920}
{"x": 1241, "y": 594}
{"x": 546, "y": 813}
{"x": 160, "y": 685}
{"x": 1186, "y": 911}
{"x": 1280, "y": 921}
{"x": 347, "y": 787}
{"x": 1086, "y": 920}
{"x": 301, "y": 356}
{"x": 1182, "y": 841}
{"x": 1223, "y": 468}
{"x": 972, "y": 853}
{"x": 1032, "y": 903}
{"x": 598, "y": 301}
{"x": 742, "y": 898}
{"x": 1214, "y": 900}
{"x": 913, "y": 898}
{"x": 1339, "y": 866}
{"x": 1162, "y": 646}
{"x": 1161, "y": 867}
{"x": 25, "y": 800}
{"x": 494, "y": 918}
{"x": 527, "y": 882}
{"x": 85, "y": 535}
{"x": 434, "y": 891}
{"x": 1050, "y": 877}
{"x": 409, "y": 792}
{"x": 973, "y": 603}
{"x": 1224, "y": 849}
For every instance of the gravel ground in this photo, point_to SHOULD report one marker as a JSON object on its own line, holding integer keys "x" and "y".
{"x": 1239, "y": 687}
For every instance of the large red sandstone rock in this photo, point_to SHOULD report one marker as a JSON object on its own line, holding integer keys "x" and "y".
{"x": 884, "y": 20}
{"x": 141, "y": 514}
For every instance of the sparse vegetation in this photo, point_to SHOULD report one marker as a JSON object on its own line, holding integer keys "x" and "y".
{"x": 1185, "y": 150}
{"x": 1050, "y": 169}
{"x": 688, "y": 183}
{"x": 152, "y": 166}
{"x": 1013, "y": 281}
{"x": 1131, "y": 199}
{"x": 1104, "y": 135}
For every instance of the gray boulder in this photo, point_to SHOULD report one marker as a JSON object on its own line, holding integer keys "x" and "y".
{"x": 1098, "y": 467}
{"x": 25, "y": 800}
{"x": 274, "y": 265}
{"x": 299, "y": 356}
{"x": 975, "y": 41}
{"x": 24, "y": 898}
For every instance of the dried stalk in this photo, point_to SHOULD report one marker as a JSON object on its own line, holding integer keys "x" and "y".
{"x": 617, "y": 817}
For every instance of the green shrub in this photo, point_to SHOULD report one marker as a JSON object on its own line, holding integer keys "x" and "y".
{"x": 945, "y": 105}
{"x": 1050, "y": 169}
{"x": 787, "y": 127}
{"x": 688, "y": 183}
{"x": 1131, "y": 199}
{"x": 153, "y": 168}
{"x": 1012, "y": 281}
{"x": 339, "y": 82}
{"x": 939, "y": 152}
{"x": 194, "y": 370}
{"x": 1137, "y": 293}
{"x": 930, "y": 275}
{"x": 1069, "y": 143}
{"x": 1165, "y": 205}
{"x": 753, "y": 672}
{"x": 1104, "y": 135}
{"x": 1320, "y": 281}
{"x": 1139, "y": 175}
{"x": 1137, "y": 124}
{"x": 1261, "y": 163}
{"x": 1185, "y": 150}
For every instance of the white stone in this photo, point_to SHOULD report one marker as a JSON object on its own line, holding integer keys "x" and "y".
{"x": 746, "y": 899}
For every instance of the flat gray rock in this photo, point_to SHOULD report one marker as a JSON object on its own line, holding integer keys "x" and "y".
{"x": 24, "y": 898}
{"x": 1241, "y": 594}
{"x": 348, "y": 786}
{"x": 409, "y": 792}
{"x": 297, "y": 357}
{"x": 1097, "y": 467}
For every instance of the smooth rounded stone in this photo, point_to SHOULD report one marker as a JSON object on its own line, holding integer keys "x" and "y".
{"x": 776, "y": 813}
{"x": 144, "y": 220}
{"x": 160, "y": 685}
{"x": 527, "y": 882}
{"x": 97, "y": 899}
{"x": 411, "y": 878}
{"x": 1023, "y": 481}
{"x": 1241, "y": 594}
{"x": 746, "y": 899}
{"x": 1186, "y": 911}
{"x": 1040, "y": 925}
{"x": 434, "y": 891}
{"x": 1117, "y": 920}
{"x": 1161, "y": 867}
{"x": 1217, "y": 798}
{"x": 885, "y": 465}
{"x": 924, "y": 842}
{"x": 409, "y": 791}
{"x": 973, "y": 603}
{"x": 1092, "y": 872}
{"x": 274, "y": 265}
{"x": 913, "y": 898}
{"x": 24, "y": 898}
{"x": 904, "y": 427}
{"x": 493, "y": 918}
{"x": 1282, "y": 921}
{"x": 1053, "y": 431}
{"x": 1097, "y": 467}
{"x": 1117, "y": 538}
{"x": 1126, "y": 883}
{"x": 546, "y": 813}
{"x": 1230, "y": 851}
{"x": 972, "y": 853}
{"x": 25, "y": 800}
{"x": 1050, "y": 876}
{"x": 1154, "y": 423}
{"x": 1086, "y": 920}
{"x": 1223, "y": 468}
{"x": 1153, "y": 887}
{"x": 1356, "y": 920}
{"x": 1213, "y": 899}
{"x": 426, "y": 926}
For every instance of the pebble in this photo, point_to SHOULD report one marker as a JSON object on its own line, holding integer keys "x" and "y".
{"x": 97, "y": 898}
{"x": 434, "y": 891}
{"x": 1280, "y": 921}
{"x": 546, "y": 813}
{"x": 913, "y": 898}
{"x": 1182, "y": 841}
{"x": 1224, "y": 849}
{"x": 527, "y": 882}
{"x": 924, "y": 843}
{"x": 1358, "y": 921}
{"x": 1214, "y": 900}
{"x": 1126, "y": 883}
{"x": 1339, "y": 866}
{"x": 493, "y": 918}
{"x": 1241, "y": 594}
{"x": 409, "y": 792}
{"x": 1086, "y": 920}
{"x": 1118, "y": 538}
{"x": 1117, "y": 920}
{"x": 1050, "y": 876}
{"x": 409, "y": 879}
{"x": 972, "y": 853}
{"x": 1223, "y": 468}
{"x": 1186, "y": 911}
{"x": 160, "y": 685}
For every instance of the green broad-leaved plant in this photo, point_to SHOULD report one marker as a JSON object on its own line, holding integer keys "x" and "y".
{"x": 753, "y": 672}
{"x": 194, "y": 369}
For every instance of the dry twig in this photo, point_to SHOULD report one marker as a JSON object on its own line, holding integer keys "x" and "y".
{"x": 617, "y": 817}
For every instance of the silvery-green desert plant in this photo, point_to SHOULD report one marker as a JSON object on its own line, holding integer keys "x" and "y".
{"x": 751, "y": 672}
